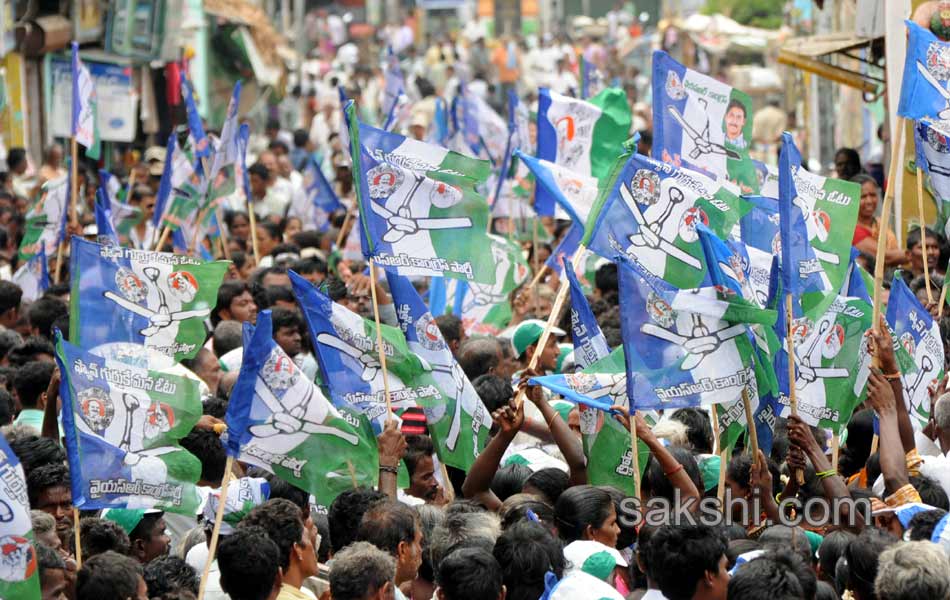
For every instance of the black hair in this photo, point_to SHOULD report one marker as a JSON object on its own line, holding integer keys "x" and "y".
{"x": 765, "y": 579}
{"x": 346, "y": 512}
{"x": 853, "y": 162}
{"x": 207, "y": 447}
{"x": 57, "y": 291}
{"x": 450, "y": 326}
{"x": 418, "y": 447}
{"x": 10, "y": 296}
{"x": 930, "y": 491}
{"x": 922, "y": 525}
{"x": 281, "y": 489}
{"x": 102, "y": 535}
{"x": 334, "y": 288}
{"x": 44, "y": 477}
{"x": 31, "y": 348}
{"x": 657, "y": 484}
{"x": 679, "y": 556}
{"x": 272, "y": 229}
{"x": 606, "y": 278}
{"x": 145, "y": 528}
{"x": 799, "y": 567}
{"x": 9, "y": 339}
{"x": 913, "y": 236}
{"x": 283, "y": 522}
{"x": 312, "y": 264}
{"x": 854, "y": 455}
{"x": 518, "y": 512}
{"x": 6, "y": 407}
{"x": 35, "y": 451}
{"x": 308, "y": 238}
{"x": 493, "y": 390}
{"x": 301, "y": 137}
{"x": 227, "y": 292}
{"x": 736, "y": 103}
{"x": 509, "y": 480}
{"x": 108, "y": 576}
{"x": 260, "y": 170}
{"x": 283, "y": 317}
{"x": 470, "y": 573}
{"x": 15, "y": 156}
{"x": 628, "y": 531}
{"x": 698, "y": 428}
{"x": 170, "y": 574}
{"x": 832, "y": 547}
{"x": 31, "y": 380}
{"x": 386, "y": 524}
{"x": 862, "y": 556}
{"x": 551, "y": 482}
{"x": 43, "y": 313}
{"x": 579, "y": 507}
{"x": 248, "y": 560}
{"x": 737, "y": 548}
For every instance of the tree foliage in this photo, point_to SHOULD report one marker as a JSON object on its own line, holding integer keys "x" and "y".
{"x": 754, "y": 13}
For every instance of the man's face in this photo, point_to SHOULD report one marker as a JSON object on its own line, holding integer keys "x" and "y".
{"x": 314, "y": 277}
{"x": 258, "y": 185}
{"x": 869, "y": 200}
{"x": 917, "y": 256}
{"x": 147, "y": 206}
{"x": 735, "y": 121}
{"x": 549, "y": 355}
{"x": 308, "y": 563}
{"x": 157, "y": 543}
{"x": 290, "y": 340}
{"x": 57, "y": 501}
{"x": 243, "y": 308}
{"x": 720, "y": 582}
{"x": 410, "y": 559}
{"x": 209, "y": 370}
{"x": 423, "y": 483}
{"x": 53, "y": 585}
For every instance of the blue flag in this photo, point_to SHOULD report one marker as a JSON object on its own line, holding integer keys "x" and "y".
{"x": 85, "y": 106}
{"x": 933, "y": 158}
{"x": 139, "y": 304}
{"x": 589, "y": 342}
{"x": 105, "y": 230}
{"x": 202, "y": 143}
{"x": 279, "y": 420}
{"x": 317, "y": 201}
{"x": 924, "y": 93}
{"x": 460, "y": 423}
{"x": 572, "y": 195}
{"x": 394, "y": 88}
{"x": 651, "y": 212}
{"x": 33, "y": 276}
{"x": 684, "y": 347}
{"x": 350, "y": 366}
{"x": 122, "y": 425}
{"x": 20, "y": 577}
{"x": 918, "y": 334}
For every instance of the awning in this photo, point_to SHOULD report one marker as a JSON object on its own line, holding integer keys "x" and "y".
{"x": 817, "y": 54}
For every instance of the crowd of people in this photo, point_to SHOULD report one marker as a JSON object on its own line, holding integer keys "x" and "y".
{"x": 523, "y": 523}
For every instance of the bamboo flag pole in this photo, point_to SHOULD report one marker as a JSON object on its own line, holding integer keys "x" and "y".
{"x": 552, "y": 320}
{"x": 163, "y": 239}
{"x": 77, "y": 541}
{"x": 342, "y": 235}
{"x": 218, "y": 518}
{"x": 537, "y": 277}
{"x": 923, "y": 237}
{"x": 379, "y": 340}
{"x": 753, "y": 434}
{"x": 943, "y": 298}
{"x": 59, "y": 262}
{"x": 74, "y": 181}
{"x": 721, "y": 486}
{"x": 253, "y": 219}
{"x": 792, "y": 392}
{"x": 896, "y": 158}
{"x": 634, "y": 455}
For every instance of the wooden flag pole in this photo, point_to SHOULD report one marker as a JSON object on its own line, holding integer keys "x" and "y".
{"x": 218, "y": 518}
{"x": 253, "y": 219}
{"x": 634, "y": 455}
{"x": 380, "y": 348}
{"x": 342, "y": 235}
{"x": 792, "y": 394}
{"x": 537, "y": 278}
{"x": 163, "y": 239}
{"x": 74, "y": 181}
{"x": 896, "y": 158}
{"x": 552, "y": 321}
{"x": 750, "y": 421}
{"x": 534, "y": 259}
{"x": 59, "y": 262}
{"x": 923, "y": 236}
{"x": 76, "y": 540}
{"x": 714, "y": 422}
{"x": 721, "y": 485}
{"x": 352, "y": 470}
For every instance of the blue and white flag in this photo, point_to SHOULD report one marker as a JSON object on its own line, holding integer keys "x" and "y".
{"x": 572, "y": 193}
{"x": 110, "y": 183}
{"x": 128, "y": 303}
{"x": 122, "y": 425}
{"x": 684, "y": 347}
{"x": 590, "y": 345}
{"x": 105, "y": 230}
{"x": 33, "y": 276}
{"x": 702, "y": 123}
{"x": 85, "y": 106}
{"x": 459, "y": 423}
{"x": 314, "y": 204}
{"x": 279, "y": 420}
{"x": 202, "y": 144}
{"x": 45, "y": 226}
{"x": 114, "y": 219}
{"x": 350, "y": 368}
{"x": 924, "y": 89}
{"x": 651, "y": 212}
{"x": 180, "y": 170}
{"x": 19, "y": 577}
{"x": 566, "y": 249}
{"x": 933, "y": 158}
{"x": 919, "y": 335}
